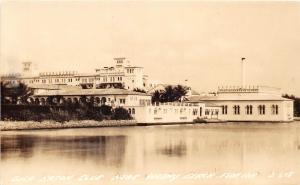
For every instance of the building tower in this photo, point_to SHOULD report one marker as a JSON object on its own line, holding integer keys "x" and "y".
{"x": 27, "y": 69}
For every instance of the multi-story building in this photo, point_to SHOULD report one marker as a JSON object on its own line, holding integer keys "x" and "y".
{"x": 122, "y": 75}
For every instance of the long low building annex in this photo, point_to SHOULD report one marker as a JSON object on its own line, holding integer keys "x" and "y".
{"x": 249, "y": 104}
{"x": 111, "y": 97}
{"x": 136, "y": 103}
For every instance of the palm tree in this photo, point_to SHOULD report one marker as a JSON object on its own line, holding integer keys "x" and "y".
{"x": 156, "y": 97}
{"x": 179, "y": 91}
{"x": 21, "y": 91}
{"x": 3, "y": 92}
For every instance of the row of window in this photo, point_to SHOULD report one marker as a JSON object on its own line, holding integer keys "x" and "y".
{"x": 122, "y": 101}
{"x": 176, "y": 111}
{"x": 212, "y": 112}
{"x": 131, "y": 111}
{"x": 249, "y": 109}
{"x": 83, "y": 80}
{"x": 130, "y": 70}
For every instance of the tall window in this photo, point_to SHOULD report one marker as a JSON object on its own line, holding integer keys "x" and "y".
{"x": 249, "y": 109}
{"x": 224, "y": 109}
{"x": 275, "y": 109}
{"x": 206, "y": 112}
{"x": 236, "y": 109}
{"x": 261, "y": 109}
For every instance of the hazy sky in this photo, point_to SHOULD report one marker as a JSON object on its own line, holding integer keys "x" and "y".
{"x": 199, "y": 41}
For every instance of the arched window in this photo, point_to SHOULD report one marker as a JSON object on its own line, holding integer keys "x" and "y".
{"x": 200, "y": 111}
{"x": 129, "y": 110}
{"x": 133, "y": 111}
{"x": 276, "y": 109}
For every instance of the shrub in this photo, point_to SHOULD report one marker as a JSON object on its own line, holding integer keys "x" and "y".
{"x": 121, "y": 114}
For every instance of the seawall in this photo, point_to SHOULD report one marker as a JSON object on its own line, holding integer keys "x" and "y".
{"x": 49, "y": 124}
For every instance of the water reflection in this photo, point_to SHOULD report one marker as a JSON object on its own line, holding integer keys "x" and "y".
{"x": 173, "y": 149}
{"x": 102, "y": 149}
{"x": 262, "y": 148}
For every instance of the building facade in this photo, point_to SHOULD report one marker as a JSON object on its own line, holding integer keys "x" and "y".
{"x": 121, "y": 75}
{"x": 111, "y": 97}
{"x": 250, "y": 104}
{"x": 172, "y": 112}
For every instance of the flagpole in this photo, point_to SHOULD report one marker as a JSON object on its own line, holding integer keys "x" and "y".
{"x": 243, "y": 72}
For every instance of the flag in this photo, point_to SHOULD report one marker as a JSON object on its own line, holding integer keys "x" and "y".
{"x": 243, "y": 59}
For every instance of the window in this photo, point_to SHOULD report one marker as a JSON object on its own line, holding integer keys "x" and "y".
{"x": 195, "y": 112}
{"x": 200, "y": 111}
{"x": 261, "y": 109}
{"x": 129, "y": 111}
{"x": 275, "y": 109}
{"x": 236, "y": 109}
{"x": 133, "y": 111}
{"x": 122, "y": 101}
{"x": 249, "y": 109}
{"x": 224, "y": 109}
{"x": 206, "y": 112}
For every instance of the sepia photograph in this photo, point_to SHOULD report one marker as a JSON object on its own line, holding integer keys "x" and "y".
{"x": 149, "y": 92}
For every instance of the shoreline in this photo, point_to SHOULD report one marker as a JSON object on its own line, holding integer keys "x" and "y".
{"x": 50, "y": 124}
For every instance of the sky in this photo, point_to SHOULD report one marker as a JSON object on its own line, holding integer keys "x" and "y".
{"x": 200, "y": 41}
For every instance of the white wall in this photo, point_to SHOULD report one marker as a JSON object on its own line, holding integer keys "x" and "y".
{"x": 168, "y": 113}
{"x": 285, "y": 111}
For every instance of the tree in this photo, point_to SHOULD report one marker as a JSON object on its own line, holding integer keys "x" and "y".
{"x": 170, "y": 94}
{"x": 180, "y": 92}
{"x": 156, "y": 97}
{"x": 3, "y": 92}
{"x": 296, "y": 103}
{"x": 120, "y": 113}
{"x": 20, "y": 91}
{"x": 139, "y": 90}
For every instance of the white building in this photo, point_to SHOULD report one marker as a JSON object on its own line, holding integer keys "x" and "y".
{"x": 175, "y": 112}
{"x": 121, "y": 75}
{"x": 250, "y": 104}
{"x": 111, "y": 97}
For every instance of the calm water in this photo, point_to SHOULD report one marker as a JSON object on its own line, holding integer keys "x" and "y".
{"x": 232, "y": 153}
